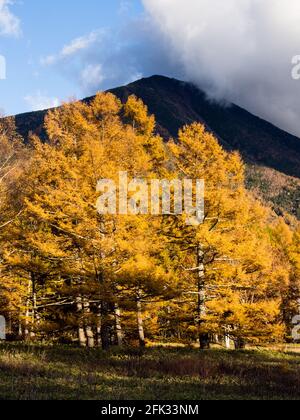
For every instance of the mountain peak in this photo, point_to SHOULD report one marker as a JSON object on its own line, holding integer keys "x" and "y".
{"x": 176, "y": 103}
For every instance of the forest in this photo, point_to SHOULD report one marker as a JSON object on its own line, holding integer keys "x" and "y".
{"x": 72, "y": 276}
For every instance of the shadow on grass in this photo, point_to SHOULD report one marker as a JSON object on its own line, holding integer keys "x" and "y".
{"x": 30, "y": 372}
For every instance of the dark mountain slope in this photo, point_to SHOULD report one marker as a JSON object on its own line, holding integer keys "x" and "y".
{"x": 272, "y": 154}
{"x": 175, "y": 103}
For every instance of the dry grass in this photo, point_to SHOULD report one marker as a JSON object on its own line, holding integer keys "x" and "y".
{"x": 55, "y": 373}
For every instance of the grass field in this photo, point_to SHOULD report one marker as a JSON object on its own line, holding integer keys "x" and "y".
{"x": 51, "y": 373}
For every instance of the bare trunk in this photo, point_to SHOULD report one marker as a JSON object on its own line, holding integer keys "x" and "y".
{"x": 2, "y": 328}
{"x": 90, "y": 337}
{"x": 216, "y": 339}
{"x": 140, "y": 320}
{"x": 81, "y": 332}
{"x": 105, "y": 326}
{"x": 20, "y": 330}
{"x": 239, "y": 344}
{"x": 34, "y": 305}
{"x": 99, "y": 341}
{"x": 26, "y": 330}
{"x": 27, "y": 310}
{"x": 119, "y": 331}
{"x": 88, "y": 329}
{"x": 9, "y": 326}
{"x": 204, "y": 339}
{"x": 227, "y": 342}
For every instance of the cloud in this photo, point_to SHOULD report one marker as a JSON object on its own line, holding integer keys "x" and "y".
{"x": 106, "y": 58}
{"x": 9, "y": 23}
{"x": 125, "y": 7}
{"x": 237, "y": 50}
{"x": 92, "y": 76}
{"x": 39, "y": 101}
{"x": 75, "y": 47}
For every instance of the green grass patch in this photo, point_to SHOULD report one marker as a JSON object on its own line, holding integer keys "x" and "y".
{"x": 66, "y": 373}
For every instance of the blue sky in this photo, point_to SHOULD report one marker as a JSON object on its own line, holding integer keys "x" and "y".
{"x": 45, "y": 42}
{"x": 239, "y": 50}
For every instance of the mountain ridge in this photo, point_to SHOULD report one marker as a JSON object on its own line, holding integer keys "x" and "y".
{"x": 272, "y": 155}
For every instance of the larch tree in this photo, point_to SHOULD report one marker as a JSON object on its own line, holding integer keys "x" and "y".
{"x": 66, "y": 250}
{"x": 229, "y": 254}
{"x": 13, "y": 157}
{"x": 71, "y": 272}
{"x": 286, "y": 245}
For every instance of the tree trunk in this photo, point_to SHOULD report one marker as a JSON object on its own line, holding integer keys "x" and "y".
{"x": 140, "y": 320}
{"x": 216, "y": 339}
{"x": 227, "y": 342}
{"x": 27, "y": 310}
{"x": 204, "y": 338}
{"x": 239, "y": 344}
{"x": 99, "y": 340}
{"x": 34, "y": 305}
{"x": 105, "y": 326}
{"x": 81, "y": 332}
{"x": 88, "y": 329}
{"x": 27, "y": 313}
{"x": 119, "y": 331}
{"x": 9, "y": 326}
{"x": 3, "y": 328}
{"x": 90, "y": 337}
{"x": 20, "y": 330}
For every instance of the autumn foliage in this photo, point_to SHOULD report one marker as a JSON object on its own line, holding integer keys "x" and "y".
{"x": 69, "y": 274}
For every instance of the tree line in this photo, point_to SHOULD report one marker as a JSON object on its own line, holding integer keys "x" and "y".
{"x": 71, "y": 275}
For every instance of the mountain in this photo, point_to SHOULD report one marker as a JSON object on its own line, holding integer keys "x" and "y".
{"x": 271, "y": 154}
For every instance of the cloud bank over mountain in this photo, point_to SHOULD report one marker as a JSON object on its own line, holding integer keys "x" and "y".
{"x": 105, "y": 58}
{"x": 236, "y": 50}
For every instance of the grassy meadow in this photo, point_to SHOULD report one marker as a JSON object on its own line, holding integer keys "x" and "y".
{"x": 68, "y": 373}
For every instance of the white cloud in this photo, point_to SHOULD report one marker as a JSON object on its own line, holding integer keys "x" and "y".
{"x": 9, "y": 23}
{"x": 76, "y": 46}
{"x": 39, "y": 101}
{"x": 235, "y": 50}
{"x": 104, "y": 59}
{"x": 49, "y": 60}
{"x": 238, "y": 50}
{"x": 125, "y": 7}
{"x": 80, "y": 43}
{"x": 92, "y": 76}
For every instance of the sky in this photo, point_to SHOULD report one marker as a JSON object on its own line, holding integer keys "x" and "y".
{"x": 237, "y": 51}
{"x": 33, "y": 31}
